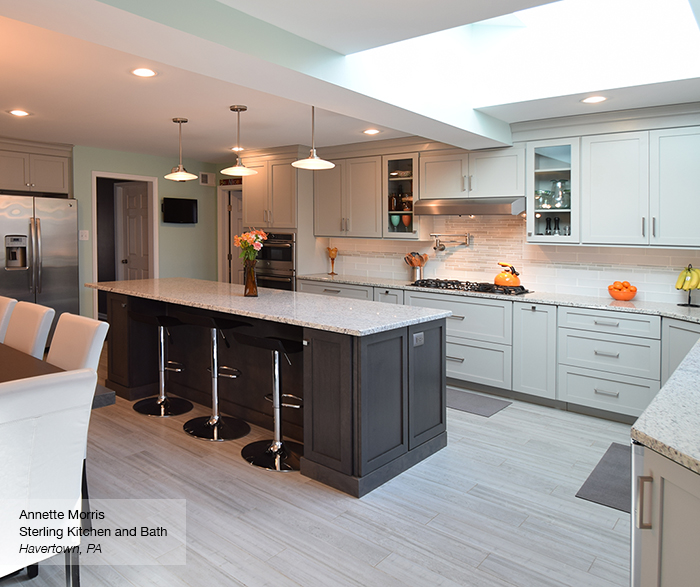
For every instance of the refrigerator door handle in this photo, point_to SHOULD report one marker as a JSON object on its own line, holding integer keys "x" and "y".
{"x": 38, "y": 255}
{"x": 32, "y": 253}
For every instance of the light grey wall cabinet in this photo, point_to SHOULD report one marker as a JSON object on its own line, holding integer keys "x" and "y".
{"x": 347, "y": 198}
{"x": 535, "y": 349}
{"x": 357, "y": 292}
{"x": 388, "y": 295}
{"x": 608, "y": 360}
{"x": 677, "y": 338}
{"x": 35, "y": 172}
{"x": 270, "y": 197}
{"x": 666, "y": 518}
{"x": 479, "y": 336}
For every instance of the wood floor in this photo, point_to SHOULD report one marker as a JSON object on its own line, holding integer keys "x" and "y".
{"x": 496, "y": 508}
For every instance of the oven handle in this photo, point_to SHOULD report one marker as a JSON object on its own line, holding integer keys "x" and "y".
{"x": 270, "y": 278}
{"x": 279, "y": 246}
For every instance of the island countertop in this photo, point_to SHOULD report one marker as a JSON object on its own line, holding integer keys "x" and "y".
{"x": 342, "y": 315}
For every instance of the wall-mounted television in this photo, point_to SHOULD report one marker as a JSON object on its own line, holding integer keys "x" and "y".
{"x": 179, "y": 210}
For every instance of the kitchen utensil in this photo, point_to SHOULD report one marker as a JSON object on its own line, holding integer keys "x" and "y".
{"x": 417, "y": 273}
{"x": 507, "y": 277}
{"x": 556, "y": 225}
{"x": 548, "y": 227}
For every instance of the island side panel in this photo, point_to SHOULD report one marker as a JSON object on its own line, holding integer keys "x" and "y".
{"x": 427, "y": 391}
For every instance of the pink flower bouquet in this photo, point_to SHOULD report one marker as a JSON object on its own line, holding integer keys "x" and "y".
{"x": 250, "y": 243}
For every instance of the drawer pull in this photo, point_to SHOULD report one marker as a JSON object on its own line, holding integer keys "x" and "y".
{"x": 610, "y": 393}
{"x": 641, "y": 483}
{"x": 334, "y": 291}
{"x": 455, "y": 359}
{"x": 607, "y": 354}
{"x": 606, "y": 323}
{"x": 453, "y": 317}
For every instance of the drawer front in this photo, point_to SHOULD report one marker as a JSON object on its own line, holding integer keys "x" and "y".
{"x": 388, "y": 295}
{"x": 610, "y": 322}
{"x": 480, "y": 362}
{"x": 473, "y": 318}
{"x": 639, "y": 357}
{"x": 606, "y": 391}
{"x": 358, "y": 292}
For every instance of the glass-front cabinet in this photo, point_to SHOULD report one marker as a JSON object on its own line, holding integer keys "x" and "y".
{"x": 553, "y": 191}
{"x": 400, "y": 183}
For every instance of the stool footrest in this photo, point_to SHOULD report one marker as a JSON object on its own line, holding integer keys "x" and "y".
{"x": 296, "y": 406}
{"x": 174, "y": 366}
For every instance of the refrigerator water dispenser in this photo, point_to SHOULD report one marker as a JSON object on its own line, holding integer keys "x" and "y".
{"x": 15, "y": 252}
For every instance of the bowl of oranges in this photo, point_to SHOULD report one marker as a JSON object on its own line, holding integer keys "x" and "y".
{"x": 622, "y": 290}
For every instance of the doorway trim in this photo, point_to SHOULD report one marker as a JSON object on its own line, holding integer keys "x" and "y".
{"x": 152, "y": 183}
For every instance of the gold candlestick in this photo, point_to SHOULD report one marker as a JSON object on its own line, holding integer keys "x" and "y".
{"x": 332, "y": 253}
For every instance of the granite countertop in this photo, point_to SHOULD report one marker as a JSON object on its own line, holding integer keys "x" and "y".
{"x": 342, "y": 315}
{"x": 592, "y": 302}
{"x": 671, "y": 423}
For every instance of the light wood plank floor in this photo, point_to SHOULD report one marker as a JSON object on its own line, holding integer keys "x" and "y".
{"x": 496, "y": 508}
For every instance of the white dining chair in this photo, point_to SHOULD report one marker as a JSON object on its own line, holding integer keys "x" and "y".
{"x": 43, "y": 433}
{"x": 6, "y": 307}
{"x": 77, "y": 342}
{"x": 29, "y": 328}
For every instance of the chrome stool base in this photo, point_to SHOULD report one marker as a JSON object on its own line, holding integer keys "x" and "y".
{"x": 284, "y": 458}
{"x": 216, "y": 430}
{"x": 163, "y": 408}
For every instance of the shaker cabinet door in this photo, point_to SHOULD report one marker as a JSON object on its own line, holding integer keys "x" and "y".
{"x": 444, "y": 176}
{"x": 328, "y": 200}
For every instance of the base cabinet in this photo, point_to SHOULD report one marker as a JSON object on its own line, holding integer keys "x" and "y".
{"x": 357, "y": 292}
{"x": 535, "y": 349}
{"x": 677, "y": 338}
{"x": 665, "y": 523}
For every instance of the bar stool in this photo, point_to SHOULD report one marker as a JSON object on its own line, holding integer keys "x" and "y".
{"x": 216, "y": 427}
{"x": 276, "y": 454}
{"x": 162, "y": 406}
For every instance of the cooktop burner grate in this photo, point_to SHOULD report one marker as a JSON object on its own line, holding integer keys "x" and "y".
{"x": 484, "y": 287}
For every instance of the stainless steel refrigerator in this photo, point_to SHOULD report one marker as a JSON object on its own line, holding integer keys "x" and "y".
{"x": 39, "y": 251}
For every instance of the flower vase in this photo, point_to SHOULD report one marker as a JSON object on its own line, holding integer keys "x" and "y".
{"x": 251, "y": 282}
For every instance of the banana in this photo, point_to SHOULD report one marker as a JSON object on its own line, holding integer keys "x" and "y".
{"x": 688, "y": 280}
{"x": 694, "y": 280}
{"x": 696, "y": 271}
{"x": 682, "y": 279}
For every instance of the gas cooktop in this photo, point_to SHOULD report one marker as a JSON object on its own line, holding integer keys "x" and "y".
{"x": 483, "y": 287}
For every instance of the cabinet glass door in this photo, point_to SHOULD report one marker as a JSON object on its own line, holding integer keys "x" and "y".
{"x": 553, "y": 193}
{"x": 398, "y": 193}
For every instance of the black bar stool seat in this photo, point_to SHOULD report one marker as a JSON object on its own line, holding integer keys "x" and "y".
{"x": 162, "y": 406}
{"x": 276, "y": 454}
{"x": 216, "y": 428}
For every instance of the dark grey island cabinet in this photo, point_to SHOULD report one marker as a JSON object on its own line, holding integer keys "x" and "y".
{"x": 371, "y": 376}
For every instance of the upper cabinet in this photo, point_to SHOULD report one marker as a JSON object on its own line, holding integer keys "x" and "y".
{"x": 615, "y": 189}
{"x": 400, "y": 183}
{"x": 270, "y": 197}
{"x": 553, "y": 191}
{"x": 478, "y": 174}
{"x": 347, "y": 198}
{"x": 34, "y": 172}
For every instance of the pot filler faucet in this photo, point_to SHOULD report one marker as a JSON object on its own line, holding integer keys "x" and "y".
{"x": 440, "y": 244}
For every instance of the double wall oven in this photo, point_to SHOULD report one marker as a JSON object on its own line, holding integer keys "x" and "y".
{"x": 276, "y": 266}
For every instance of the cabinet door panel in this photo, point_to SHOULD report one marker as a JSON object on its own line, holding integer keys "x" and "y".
{"x": 49, "y": 174}
{"x": 328, "y": 200}
{"x": 497, "y": 173}
{"x": 534, "y": 349}
{"x": 14, "y": 170}
{"x": 388, "y": 296}
{"x": 677, "y": 338}
{"x": 674, "y": 173}
{"x": 444, "y": 176}
{"x": 363, "y": 206}
{"x": 283, "y": 194}
{"x": 255, "y": 197}
{"x": 615, "y": 189}
{"x": 480, "y": 362}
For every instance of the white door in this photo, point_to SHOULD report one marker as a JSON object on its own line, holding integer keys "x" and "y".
{"x": 133, "y": 246}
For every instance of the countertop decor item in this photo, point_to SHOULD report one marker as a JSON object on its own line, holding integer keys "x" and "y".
{"x": 507, "y": 277}
{"x": 688, "y": 280}
{"x": 179, "y": 173}
{"x": 622, "y": 290}
{"x": 332, "y": 254}
{"x": 239, "y": 170}
{"x": 313, "y": 161}
{"x": 250, "y": 243}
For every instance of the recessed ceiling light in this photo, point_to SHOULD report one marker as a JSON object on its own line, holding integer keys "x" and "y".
{"x": 594, "y": 99}
{"x": 144, "y": 72}
{"x": 237, "y": 149}
{"x": 371, "y": 131}
{"x": 19, "y": 113}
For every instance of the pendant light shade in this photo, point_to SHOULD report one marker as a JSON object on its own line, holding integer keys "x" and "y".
{"x": 238, "y": 170}
{"x": 313, "y": 161}
{"x": 179, "y": 173}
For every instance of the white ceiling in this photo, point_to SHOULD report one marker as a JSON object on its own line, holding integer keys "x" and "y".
{"x": 68, "y": 63}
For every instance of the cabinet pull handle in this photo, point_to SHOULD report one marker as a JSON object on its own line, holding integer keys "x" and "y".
{"x": 269, "y": 216}
{"x": 534, "y": 308}
{"x": 342, "y": 225}
{"x": 607, "y": 354}
{"x": 455, "y": 359}
{"x": 333, "y": 291}
{"x": 347, "y": 225}
{"x": 641, "y": 483}
{"x": 464, "y": 183}
{"x": 653, "y": 226}
{"x": 606, "y": 323}
{"x": 644, "y": 226}
{"x": 604, "y": 392}
{"x": 264, "y": 215}
{"x": 470, "y": 183}
{"x": 453, "y": 317}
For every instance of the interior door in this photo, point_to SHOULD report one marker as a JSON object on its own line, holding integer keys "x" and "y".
{"x": 133, "y": 248}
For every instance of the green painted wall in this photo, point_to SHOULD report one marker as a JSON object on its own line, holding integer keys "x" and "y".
{"x": 184, "y": 250}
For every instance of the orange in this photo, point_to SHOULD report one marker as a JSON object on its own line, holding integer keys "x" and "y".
{"x": 611, "y": 286}
{"x": 617, "y": 285}
{"x": 633, "y": 288}
{"x": 625, "y": 284}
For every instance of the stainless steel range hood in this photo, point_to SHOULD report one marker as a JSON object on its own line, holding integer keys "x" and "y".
{"x": 511, "y": 206}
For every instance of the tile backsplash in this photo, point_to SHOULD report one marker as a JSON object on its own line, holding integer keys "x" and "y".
{"x": 552, "y": 268}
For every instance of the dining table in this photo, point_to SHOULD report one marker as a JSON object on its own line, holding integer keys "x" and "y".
{"x": 15, "y": 364}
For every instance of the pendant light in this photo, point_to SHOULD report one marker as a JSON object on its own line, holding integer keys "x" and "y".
{"x": 313, "y": 161}
{"x": 238, "y": 170}
{"x": 179, "y": 173}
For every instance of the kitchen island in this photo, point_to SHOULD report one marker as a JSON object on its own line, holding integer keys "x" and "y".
{"x": 371, "y": 375}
